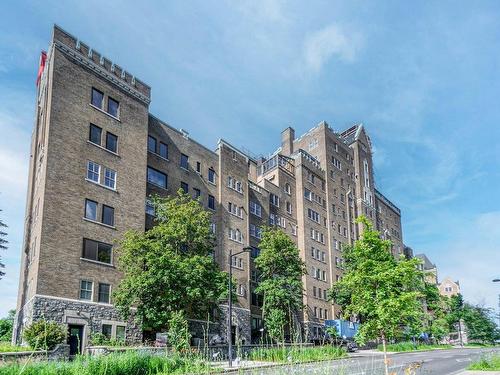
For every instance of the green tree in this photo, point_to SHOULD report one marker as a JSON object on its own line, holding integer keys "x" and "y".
{"x": 439, "y": 328}
{"x": 480, "y": 324}
{"x": 170, "y": 267}
{"x": 437, "y": 311}
{"x": 383, "y": 291}
{"x": 45, "y": 335}
{"x": 6, "y": 325}
{"x": 281, "y": 269}
{"x": 3, "y": 245}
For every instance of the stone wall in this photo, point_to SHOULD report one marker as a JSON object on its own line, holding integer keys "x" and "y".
{"x": 91, "y": 315}
{"x": 59, "y": 353}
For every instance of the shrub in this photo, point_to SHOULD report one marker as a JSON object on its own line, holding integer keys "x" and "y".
{"x": 178, "y": 332}
{"x": 44, "y": 335}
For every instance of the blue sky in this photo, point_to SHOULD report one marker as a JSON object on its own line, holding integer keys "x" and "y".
{"x": 424, "y": 79}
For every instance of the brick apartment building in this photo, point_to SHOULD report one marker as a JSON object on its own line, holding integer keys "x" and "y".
{"x": 97, "y": 154}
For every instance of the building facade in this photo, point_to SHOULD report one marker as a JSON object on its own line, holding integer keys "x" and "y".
{"x": 448, "y": 287}
{"x": 97, "y": 155}
{"x": 429, "y": 269}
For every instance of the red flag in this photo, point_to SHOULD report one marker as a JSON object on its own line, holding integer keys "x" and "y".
{"x": 43, "y": 58}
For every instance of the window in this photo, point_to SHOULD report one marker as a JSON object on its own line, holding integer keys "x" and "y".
{"x": 106, "y": 330}
{"x": 97, "y": 98}
{"x": 211, "y": 176}
{"x": 150, "y": 208}
{"x": 288, "y": 207}
{"x": 151, "y": 144}
{"x": 213, "y": 228}
{"x": 120, "y": 333}
{"x": 103, "y": 295}
{"x": 93, "y": 171}
{"x": 113, "y": 106}
{"x": 110, "y": 178}
{"x": 157, "y": 178}
{"x": 108, "y": 215}
{"x": 163, "y": 150}
{"x": 90, "y": 209}
{"x": 184, "y": 187}
{"x": 255, "y": 231}
{"x": 198, "y": 167}
{"x": 86, "y": 290}
{"x": 308, "y": 194}
{"x": 235, "y": 235}
{"x": 98, "y": 251}
{"x": 274, "y": 199}
{"x": 184, "y": 161}
{"x": 254, "y": 254}
{"x": 288, "y": 188}
{"x": 95, "y": 134}
{"x": 313, "y": 215}
{"x": 314, "y": 291}
{"x": 294, "y": 230}
{"x": 111, "y": 142}
{"x": 255, "y": 209}
{"x": 197, "y": 193}
{"x": 211, "y": 202}
{"x": 234, "y": 184}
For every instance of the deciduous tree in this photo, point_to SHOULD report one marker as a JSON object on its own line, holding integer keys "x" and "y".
{"x": 169, "y": 267}
{"x": 281, "y": 269}
{"x": 383, "y": 291}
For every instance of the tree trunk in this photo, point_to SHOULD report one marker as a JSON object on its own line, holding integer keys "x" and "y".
{"x": 386, "y": 363}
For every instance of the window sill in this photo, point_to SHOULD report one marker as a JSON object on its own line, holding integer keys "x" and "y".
{"x": 158, "y": 186}
{"x": 103, "y": 111}
{"x": 211, "y": 209}
{"x": 240, "y": 242}
{"x": 185, "y": 169}
{"x": 97, "y": 262}
{"x": 102, "y": 148}
{"x": 158, "y": 155}
{"x": 98, "y": 222}
{"x": 212, "y": 183}
{"x": 101, "y": 185}
{"x": 239, "y": 217}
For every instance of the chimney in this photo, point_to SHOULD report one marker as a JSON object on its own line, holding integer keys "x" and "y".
{"x": 287, "y": 138}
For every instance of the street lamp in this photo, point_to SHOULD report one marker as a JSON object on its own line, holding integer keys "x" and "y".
{"x": 498, "y": 281}
{"x": 230, "y": 303}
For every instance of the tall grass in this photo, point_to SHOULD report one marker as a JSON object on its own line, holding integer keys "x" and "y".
{"x": 6, "y": 347}
{"x": 297, "y": 354}
{"x": 487, "y": 363}
{"x": 408, "y": 346}
{"x": 114, "y": 364}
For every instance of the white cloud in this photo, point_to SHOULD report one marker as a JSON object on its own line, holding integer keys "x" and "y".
{"x": 331, "y": 41}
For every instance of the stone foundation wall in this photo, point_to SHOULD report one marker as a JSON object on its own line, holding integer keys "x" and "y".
{"x": 65, "y": 311}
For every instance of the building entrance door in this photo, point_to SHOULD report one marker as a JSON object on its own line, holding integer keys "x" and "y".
{"x": 75, "y": 339}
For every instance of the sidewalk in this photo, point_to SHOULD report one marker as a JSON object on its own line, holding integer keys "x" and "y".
{"x": 480, "y": 373}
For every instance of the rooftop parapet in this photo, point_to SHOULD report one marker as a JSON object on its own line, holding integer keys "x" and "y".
{"x": 384, "y": 199}
{"x": 310, "y": 159}
{"x": 276, "y": 161}
{"x": 101, "y": 65}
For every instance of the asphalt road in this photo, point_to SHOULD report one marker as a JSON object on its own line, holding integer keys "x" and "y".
{"x": 437, "y": 362}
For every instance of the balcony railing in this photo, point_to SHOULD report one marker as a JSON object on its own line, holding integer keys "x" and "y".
{"x": 277, "y": 161}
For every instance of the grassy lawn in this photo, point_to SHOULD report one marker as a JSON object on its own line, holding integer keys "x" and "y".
{"x": 6, "y": 347}
{"x": 487, "y": 363}
{"x": 410, "y": 347}
{"x": 297, "y": 354}
{"x": 114, "y": 364}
